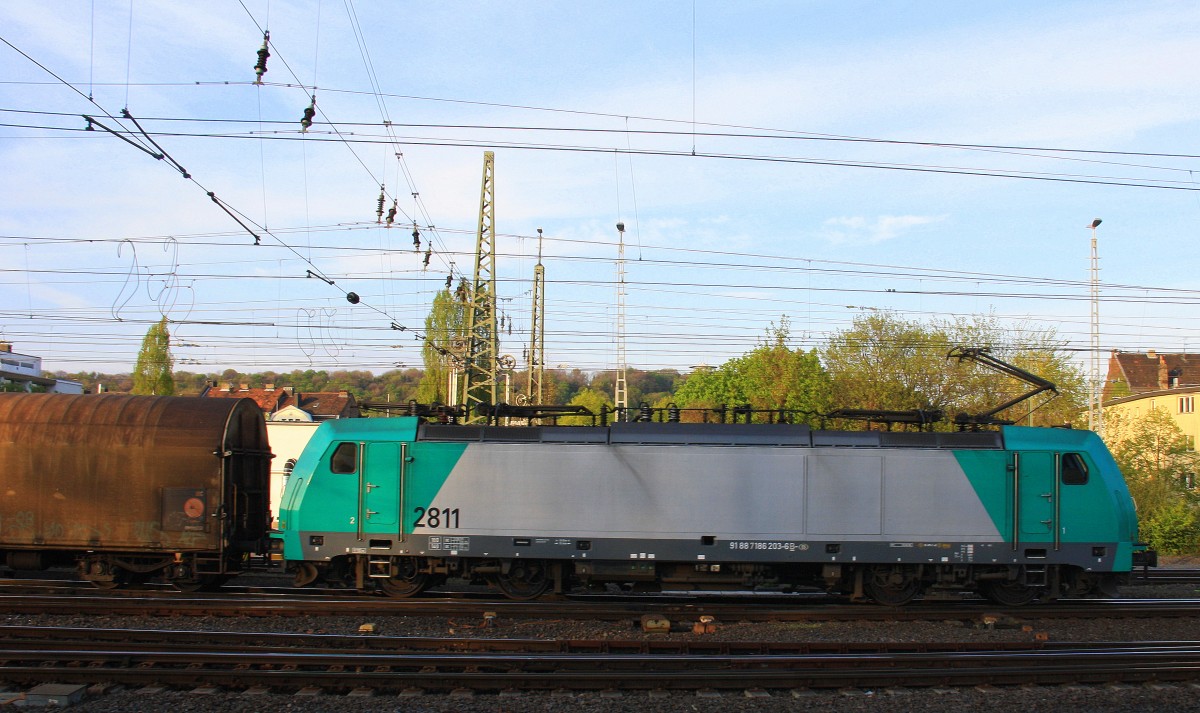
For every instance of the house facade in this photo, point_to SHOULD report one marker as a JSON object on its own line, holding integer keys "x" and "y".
{"x": 1140, "y": 382}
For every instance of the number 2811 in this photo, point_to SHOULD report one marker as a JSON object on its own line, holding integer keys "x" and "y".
{"x": 436, "y": 518}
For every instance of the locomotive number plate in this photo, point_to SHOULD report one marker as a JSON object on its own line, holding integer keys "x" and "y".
{"x": 768, "y": 545}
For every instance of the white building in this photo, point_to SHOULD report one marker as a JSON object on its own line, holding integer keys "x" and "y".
{"x": 21, "y": 372}
{"x": 288, "y": 439}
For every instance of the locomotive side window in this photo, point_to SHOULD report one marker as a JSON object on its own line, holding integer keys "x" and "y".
{"x": 1074, "y": 470}
{"x": 344, "y": 459}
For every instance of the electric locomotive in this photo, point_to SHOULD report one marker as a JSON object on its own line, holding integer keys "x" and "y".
{"x": 1014, "y": 514}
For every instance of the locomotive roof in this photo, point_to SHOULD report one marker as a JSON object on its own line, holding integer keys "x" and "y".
{"x": 710, "y": 434}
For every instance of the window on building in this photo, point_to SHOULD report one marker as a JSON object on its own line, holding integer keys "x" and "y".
{"x": 1187, "y": 404}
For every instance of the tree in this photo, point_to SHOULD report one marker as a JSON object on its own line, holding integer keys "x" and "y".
{"x": 883, "y": 362}
{"x": 445, "y": 332}
{"x": 1159, "y": 468}
{"x": 590, "y": 399}
{"x": 152, "y": 373}
{"x": 770, "y": 376}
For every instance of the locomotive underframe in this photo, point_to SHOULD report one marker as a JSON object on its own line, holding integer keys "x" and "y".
{"x": 889, "y": 583}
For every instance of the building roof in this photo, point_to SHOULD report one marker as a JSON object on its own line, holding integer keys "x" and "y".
{"x": 331, "y": 404}
{"x": 269, "y": 400}
{"x": 1133, "y": 373}
{"x": 321, "y": 404}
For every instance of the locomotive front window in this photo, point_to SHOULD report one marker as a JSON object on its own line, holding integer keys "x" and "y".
{"x": 344, "y": 459}
{"x": 1074, "y": 470}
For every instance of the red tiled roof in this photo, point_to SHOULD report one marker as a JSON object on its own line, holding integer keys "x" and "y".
{"x": 268, "y": 401}
{"x": 1153, "y": 371}
{"x": 330, "y": 404}
{"x": 321, "y": 404}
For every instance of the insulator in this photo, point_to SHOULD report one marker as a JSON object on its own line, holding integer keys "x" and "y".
{"x": 428, "y": 254}
{"x": 416, "y": 238}
{"x": 449, "y": 280}
{"x": 309, "y": 112}
{"x": 379, "y": 207}
{"x": 352, "y": 298}
{"x": 263, "y": 53}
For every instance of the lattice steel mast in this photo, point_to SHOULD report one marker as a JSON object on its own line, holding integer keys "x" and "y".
{"x": 483, "y": 348}
{"x": 537, "y": 332}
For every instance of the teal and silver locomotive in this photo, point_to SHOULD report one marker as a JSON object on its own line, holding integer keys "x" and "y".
{"x": 1015, "y": 514}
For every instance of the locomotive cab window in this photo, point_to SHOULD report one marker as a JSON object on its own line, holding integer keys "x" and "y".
{"x": 1074, "y": 470}
{"x": 344, "y": 458}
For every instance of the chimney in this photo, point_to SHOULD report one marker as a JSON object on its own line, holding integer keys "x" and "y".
{"x": 244, "y": 387}
{"x": 1151, "y": 354}
{"x": 226, "y": 387}
{"x": 269, "y": 387}
{"x": 1163, "y": 373}
{"x": 5, "y": 347}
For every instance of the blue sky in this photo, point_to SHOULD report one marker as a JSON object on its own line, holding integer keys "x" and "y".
{"x": 593, "y": 111}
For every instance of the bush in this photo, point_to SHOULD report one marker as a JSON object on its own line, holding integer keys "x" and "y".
{"x": 1173, "y": 530}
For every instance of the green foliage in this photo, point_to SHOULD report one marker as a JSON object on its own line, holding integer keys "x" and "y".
{"x": 1172, "y": 530}
{"x": 1152, "y": 452}
{"x": 771, "y": 376}
{"x": 152, "y": 374}
{"x": 883, "y": 362}
{"x": 591, "y": 399}
{"x": 20, "y": 387}
{"x": 445, "y": 330}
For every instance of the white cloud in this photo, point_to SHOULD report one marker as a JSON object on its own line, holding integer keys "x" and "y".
{"x": 860, "y": 230}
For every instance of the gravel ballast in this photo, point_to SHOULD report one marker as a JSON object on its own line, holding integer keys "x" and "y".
{"x": 1176, "y": 697}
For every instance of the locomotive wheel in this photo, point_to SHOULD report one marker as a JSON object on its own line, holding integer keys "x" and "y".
{"x": 891, "y": 586}
{"x": 306, "y": 574}
{"x": 1007, "y": 593}
{"x": 408, "y": 582}
{"x": 525, "y": 580}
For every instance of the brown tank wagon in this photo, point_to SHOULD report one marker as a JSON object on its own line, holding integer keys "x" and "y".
{"x": 133, "y": 488}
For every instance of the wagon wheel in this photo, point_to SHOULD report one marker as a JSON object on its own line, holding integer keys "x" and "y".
{"x": 1009, "y": 593}
{"x": 408, "y": 581}
{"x": 103, "y": 574}
{"x": 891, "y": 586}
{"x": 525, "y": 580}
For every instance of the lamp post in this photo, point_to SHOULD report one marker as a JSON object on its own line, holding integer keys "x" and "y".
{"x": 1095, "y": 393}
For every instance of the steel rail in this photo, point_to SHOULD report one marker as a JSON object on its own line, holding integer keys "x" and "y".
{"x": 494, "y": 671}
{"x": 674, "y": 609}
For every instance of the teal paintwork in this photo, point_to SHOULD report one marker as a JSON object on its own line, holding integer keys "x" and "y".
{"x": 507, "y": 490}
{"x": 319, "y": 500}
{"x": 1098, "y": 511}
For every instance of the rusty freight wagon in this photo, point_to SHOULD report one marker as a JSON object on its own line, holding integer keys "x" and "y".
{"x": 133, "y": 488}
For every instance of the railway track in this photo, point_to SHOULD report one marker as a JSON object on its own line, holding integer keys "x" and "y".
{"x": 677, "y": 609}
{"x": 288, "y": 662}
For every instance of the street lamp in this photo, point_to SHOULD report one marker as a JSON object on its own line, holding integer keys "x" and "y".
{"x": 1095, "y": 393}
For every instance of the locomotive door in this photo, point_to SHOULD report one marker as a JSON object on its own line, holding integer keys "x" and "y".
{"x": 379, "y": 487}
{"x": 1034, "y": 497}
